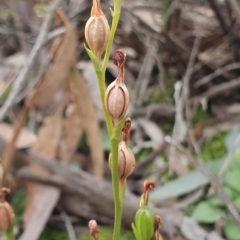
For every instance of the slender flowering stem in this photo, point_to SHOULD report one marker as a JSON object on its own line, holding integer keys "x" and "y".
{"x": 115, "y": 19}
{"x": 102, "y": 88}
{"x": 115, "y": 180}
{"x": 113, "y": 132}
{"x": 9, "y": 233}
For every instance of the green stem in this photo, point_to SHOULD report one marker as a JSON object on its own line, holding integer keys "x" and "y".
{"x": 9, "y": 233}
{"x": 115, "y": 185}
{"x": 115, "y": 19}
{"x": 102, "y": 88}
{"x": 115, "y": 180}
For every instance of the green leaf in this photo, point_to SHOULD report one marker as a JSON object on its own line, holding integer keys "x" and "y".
{"x": 4, "y": 95}
{"x": 206, "y": 213}
{"x": 232, "y": 179}
{"x": 187, "y": 183}
{"x": 216, "y": 201}
{"x": 237, "y": 203}
{"x": 136, "y": 234}
{"x": 232, "y": 230}
{"x": 230, "y": 192}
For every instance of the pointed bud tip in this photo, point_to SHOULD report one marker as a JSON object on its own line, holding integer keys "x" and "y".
{"x": 148, "y": 185}
{"x": 92, "y": 225}
{"x": 119, "y": 57}
{"x": 3, "y": 193}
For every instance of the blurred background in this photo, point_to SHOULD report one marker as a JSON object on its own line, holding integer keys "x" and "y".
{"x": 183, "y": 76}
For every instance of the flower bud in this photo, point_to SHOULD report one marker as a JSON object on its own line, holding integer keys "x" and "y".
{"x": 97, "y": 30}
{"x": 147, "y": 187}
{"x": 6, "y": 211}
{"x": 144, "y": 224}
{"x": 117, "y": 95}
{"x": 92, "y": 225}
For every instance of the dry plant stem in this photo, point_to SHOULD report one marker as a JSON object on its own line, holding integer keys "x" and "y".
{"x": 219, "y": 71}
{"x": 235, "y": 8}
{"x": 68, "y": 224}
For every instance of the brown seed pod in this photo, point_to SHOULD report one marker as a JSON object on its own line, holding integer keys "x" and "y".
{"x": 126, "y": 161}
{"x": 97, "y": 30}
{"x": 117, "y": 95}
{"x": 6, "y": 211}
{"x": 116, "y": 100}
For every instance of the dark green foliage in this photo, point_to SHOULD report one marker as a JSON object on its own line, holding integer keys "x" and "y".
{"x": 214, "y": 148}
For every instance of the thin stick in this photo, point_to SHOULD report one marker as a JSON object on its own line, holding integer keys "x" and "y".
{"x": 216, "y": 90}
{"x": 222, "y": 20}
{"x": 236, "y": 10}
{"x": 69, "y": 226}
{"x": 21, "y": 78}
{"x": 217, "y": 73}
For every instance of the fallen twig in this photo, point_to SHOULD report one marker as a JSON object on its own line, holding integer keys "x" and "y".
{"x": 212, "y": 92}
{"x": 217, "y": 73}
{"x": 69, "y": 226}
{"x": 222, "y": 20}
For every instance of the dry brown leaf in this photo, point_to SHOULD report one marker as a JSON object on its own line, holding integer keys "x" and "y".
{"x": 42, "y": 199}
{"x": 63, "y": 50}
{"x": 89, "y": 123}
{"x": 71, "y": 133}
{"x": 46, "y": 146}
{"x": 45, "y": 90}
{"x": 9, "y": 151}
{"x": 25, "y": 139}
{"x": 50, "y": 134}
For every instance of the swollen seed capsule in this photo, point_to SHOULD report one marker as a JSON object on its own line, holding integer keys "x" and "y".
{"x": 116, "y": 100}
{"x": 126, "y": 161}
{"x": 97, "y": 30}
{"x": 117, "y": 95}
